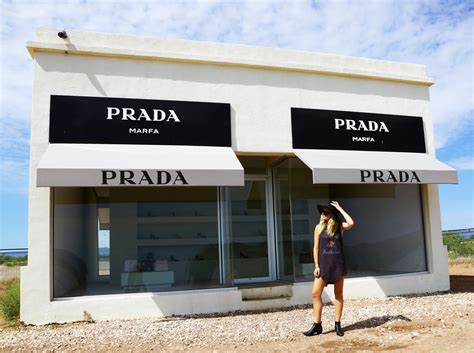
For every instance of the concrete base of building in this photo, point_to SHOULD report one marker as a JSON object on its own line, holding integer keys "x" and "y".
{"x": 206, "y": 301}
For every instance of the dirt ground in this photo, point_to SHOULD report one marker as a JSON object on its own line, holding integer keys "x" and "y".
{"x": 455, "y": 335}
{"x": 448, "y": 330}
{"x": 425, "y": 335}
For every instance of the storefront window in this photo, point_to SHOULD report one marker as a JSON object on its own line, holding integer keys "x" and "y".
{"x": 388, "y": 237}
{"x": 125, "y": 240}
{"x": 121, "y": 240}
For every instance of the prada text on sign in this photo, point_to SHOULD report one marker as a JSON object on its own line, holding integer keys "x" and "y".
{"x": 143, "y": 177}
{"x": 389, "y": 176}
{"x": 105, "y": 120}
{"x": 342, "y": 130}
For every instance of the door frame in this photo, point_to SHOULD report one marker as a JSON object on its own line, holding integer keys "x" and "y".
{"x": 267, "y": 179}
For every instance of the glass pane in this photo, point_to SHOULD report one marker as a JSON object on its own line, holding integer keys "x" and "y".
{"x": 104, "y": 241}
{"x": 284, "y": 237}
{"x": 249, "y": 230}
{"x": 388, "y": 237}
{"x": 135, "y": 240}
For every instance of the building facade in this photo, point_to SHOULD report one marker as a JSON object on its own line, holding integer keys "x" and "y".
{"x": 178, "y": 177}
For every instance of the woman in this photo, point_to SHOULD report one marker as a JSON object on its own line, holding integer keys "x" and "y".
{"x": 329, "y": 261}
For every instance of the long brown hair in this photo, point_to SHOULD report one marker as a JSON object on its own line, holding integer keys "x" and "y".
{"x": 332, "y": 224}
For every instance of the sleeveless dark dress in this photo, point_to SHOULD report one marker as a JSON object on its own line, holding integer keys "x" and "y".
{"x": 332, "y": 263}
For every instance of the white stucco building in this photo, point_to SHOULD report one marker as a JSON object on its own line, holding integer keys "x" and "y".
{"x": 175, "y": 176}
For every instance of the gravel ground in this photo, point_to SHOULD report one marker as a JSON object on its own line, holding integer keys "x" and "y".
{"x": 393, "y": 323}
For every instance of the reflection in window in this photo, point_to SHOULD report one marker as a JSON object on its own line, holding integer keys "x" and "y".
{"x": 388, "y": 237}
{"x": 248, "y": 225}
{"x": 121, "y": 240}
{"x": 104, "y": 242}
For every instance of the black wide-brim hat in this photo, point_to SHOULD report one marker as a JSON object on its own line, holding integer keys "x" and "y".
{"x": 331, "y": 209}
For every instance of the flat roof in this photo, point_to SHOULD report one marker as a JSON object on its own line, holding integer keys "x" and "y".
{"x": 191, "y": 51}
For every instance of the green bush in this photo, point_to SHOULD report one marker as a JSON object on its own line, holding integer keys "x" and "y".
{"x": 458, "y": 245}
{"x": 11, "y": 261}
{"x": 10, "y": 301}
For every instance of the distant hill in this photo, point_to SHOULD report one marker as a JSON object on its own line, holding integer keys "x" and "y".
{"x": 104, "y": 251}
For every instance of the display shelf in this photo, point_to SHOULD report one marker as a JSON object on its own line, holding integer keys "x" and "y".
{"x": 177, "y": 242}
{"x": 252, "y": 239}
{"x": 177, "y": 219}
{"x": 249, "y": 218}
{"x": 164, "y": 278}
{"x": 296, "y": 217}
{"x": 197, "y": 219}
{"x": 299, "y": 237}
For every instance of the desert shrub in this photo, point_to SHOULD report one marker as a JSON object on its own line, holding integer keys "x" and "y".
{"x": 458, "y": 245}
{"x": 12, "y": 261}
{"x": 10, "y": 301}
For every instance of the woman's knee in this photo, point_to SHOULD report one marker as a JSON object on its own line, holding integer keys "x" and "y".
{"x": 316, "y": 293}
{"x": 318, "y": 289}
{"x": 339, "y": 296}
{"x": 338, "y": 289}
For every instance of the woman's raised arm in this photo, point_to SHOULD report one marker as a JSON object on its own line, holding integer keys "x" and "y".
{"x": 349, "y": 222}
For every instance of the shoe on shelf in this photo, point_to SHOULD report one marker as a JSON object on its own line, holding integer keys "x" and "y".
{"x": 243, "y": 256}
{"x": 316, "y": 329}
{"x": 337, "y": 326}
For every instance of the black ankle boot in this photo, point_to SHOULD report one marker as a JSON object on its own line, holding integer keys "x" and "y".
{"x": 337, "y": 325}
{"x": 316, "y": 329}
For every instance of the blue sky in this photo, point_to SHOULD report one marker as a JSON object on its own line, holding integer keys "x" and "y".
{"x": 436, "y": 34}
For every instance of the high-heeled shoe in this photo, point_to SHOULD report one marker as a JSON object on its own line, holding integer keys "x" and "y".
{"x": 337, "y": 326}
{"x": 316, "y": 329}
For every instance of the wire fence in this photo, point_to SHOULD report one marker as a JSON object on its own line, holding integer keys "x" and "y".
{"x": 465, "y": 232}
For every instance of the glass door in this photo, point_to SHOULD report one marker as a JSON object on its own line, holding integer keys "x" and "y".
{"x": 249, "y": 229}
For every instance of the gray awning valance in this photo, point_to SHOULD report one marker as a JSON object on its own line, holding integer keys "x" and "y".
{"x": 354, "y": 167}
{"x": 138, "y": 165}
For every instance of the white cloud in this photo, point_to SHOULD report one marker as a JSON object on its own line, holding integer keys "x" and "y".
{"x": 14, "y": 156}
{"x": 463, "y": 163}
{"x": 436, "y": 34}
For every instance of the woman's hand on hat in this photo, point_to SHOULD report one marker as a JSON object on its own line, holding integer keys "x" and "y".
{"x": 335, "y": 204}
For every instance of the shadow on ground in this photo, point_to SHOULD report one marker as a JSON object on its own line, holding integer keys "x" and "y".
{"x": 372, "y": 322}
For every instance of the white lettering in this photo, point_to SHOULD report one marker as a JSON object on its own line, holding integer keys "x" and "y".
{"x": 350, "y": 124}
{"x": 363, "y": 139}
{"x": 361, "y": 125}
{"x": 173, "y": 116}
{"x": 128, "y": 113}
{"x": 383, "y": 127}
{"x": 338, "y": 122}
{"x": 159, "y": 115}
{"x": 144, "y": 114}
{"x": 134, "y": 130}
{"x": 112, "y": 111}
{"x": 372, "y": 126}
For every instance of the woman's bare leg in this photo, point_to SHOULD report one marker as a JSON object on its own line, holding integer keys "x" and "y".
{"x": 338, "y": 294}
{"x": 318, "y": 287}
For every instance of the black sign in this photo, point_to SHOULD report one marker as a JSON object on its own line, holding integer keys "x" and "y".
{"x": 339, "y": 130}
{"x": 138, "y": 121}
